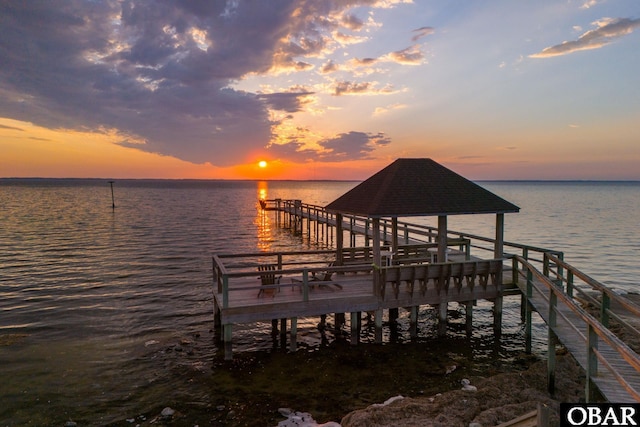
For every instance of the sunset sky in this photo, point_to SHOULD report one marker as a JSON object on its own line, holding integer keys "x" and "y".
{"x": 319, "y": 89}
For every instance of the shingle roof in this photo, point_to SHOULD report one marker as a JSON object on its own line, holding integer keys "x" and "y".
{"x": 418, "y": 187}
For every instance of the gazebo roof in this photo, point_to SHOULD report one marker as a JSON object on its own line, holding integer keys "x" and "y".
{"x": 418, "y": 187}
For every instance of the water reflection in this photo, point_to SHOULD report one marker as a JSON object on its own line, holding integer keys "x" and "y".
{"x": 262, "y": 220}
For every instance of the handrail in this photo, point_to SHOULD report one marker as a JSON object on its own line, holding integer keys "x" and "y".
{"x": 414, "y": 231}
{"x": 222, "y": 275}
{"x": 607, "y": 294}
{"x": 596, "y": 328}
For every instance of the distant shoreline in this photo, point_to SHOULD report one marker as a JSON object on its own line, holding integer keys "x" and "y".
{"x": 198, "y": 180}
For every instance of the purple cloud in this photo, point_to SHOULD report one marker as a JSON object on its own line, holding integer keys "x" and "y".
{"x": 160, "y": 72}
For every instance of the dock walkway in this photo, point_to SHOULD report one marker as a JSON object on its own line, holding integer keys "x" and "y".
{"x": 609, "y": 363}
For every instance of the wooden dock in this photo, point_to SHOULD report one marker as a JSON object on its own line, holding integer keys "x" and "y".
{"x": 351, "y": 282}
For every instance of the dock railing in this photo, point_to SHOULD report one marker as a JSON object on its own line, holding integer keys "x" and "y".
{"x": 236, "y": 272}
{"x": 585, "y": 289}
{"x": 409, "y": 233}
{"x": 564, "y": 306}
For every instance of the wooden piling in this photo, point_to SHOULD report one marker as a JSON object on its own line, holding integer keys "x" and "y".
{"x": 378, "y": 326}
{"x": 228, "y": 344}
{"x": 293, "y": 345}
{"x": 442, "y": 319}
{"x": 113, "y": 200}
{"x": 469, "y": 317}
{"x": 413, "y": 321}
{"x": 355, "y": 327}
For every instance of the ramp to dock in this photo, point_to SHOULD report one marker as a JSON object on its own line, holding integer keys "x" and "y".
{"x": 609, "y": 363}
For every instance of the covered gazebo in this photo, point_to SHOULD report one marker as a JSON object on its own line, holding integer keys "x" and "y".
{"x": 418, "y": 187}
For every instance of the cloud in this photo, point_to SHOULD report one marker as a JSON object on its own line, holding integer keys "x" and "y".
{"x": 606, "y": 32}
{"x": 345, "y": 146}
{"x": 158, "y": 75}
{"x": 290, "y": 102}
{"x": 352, "y": 146}
{"x": 422, "y": 32}
{"x": 379, "y": 111}
{"x": 364, "y": 88}
{"x": 11, "y": 128}
{"x": 409, "y": 56}
{"x": 589, "y": 4}
{"x": 293, "y": 150}
{"x": 329, "y": 67}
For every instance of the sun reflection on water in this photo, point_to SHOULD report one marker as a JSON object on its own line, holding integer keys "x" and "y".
{"x": 262, "y": 220}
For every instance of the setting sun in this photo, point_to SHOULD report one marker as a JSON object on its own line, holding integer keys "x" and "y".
{"x": 262, "y": 163}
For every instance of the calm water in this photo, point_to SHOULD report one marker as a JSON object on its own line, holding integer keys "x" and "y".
{"x": 106, "y": 315}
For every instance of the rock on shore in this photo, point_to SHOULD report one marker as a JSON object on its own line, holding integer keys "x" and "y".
{"x": 498, "y": 399}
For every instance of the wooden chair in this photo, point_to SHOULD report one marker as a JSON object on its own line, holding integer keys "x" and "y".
{"x": 268, "y": 279}
{"x": 324, "y": 278}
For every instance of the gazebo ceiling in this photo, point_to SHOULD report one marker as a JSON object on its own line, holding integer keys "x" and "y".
{"x": 418, "y": 187}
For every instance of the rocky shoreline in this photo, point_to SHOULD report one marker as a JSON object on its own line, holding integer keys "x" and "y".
{"x": 498, "y": 399}
{"x": 493, "y": 401}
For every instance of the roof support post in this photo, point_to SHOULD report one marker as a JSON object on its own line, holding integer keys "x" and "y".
{"x": 442, "y": 238}
{"x": 394, "y": 236}
{"x": 377, "y": 259}
{"x": 499, "y": 242}
{"x": 339, "y": 240}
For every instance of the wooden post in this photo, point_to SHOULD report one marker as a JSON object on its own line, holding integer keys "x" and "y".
{"x": 528, "y": 313}
{"x": 551, "y": 344}
{"x": 278, "y": 209}
{"x": 228, "y": 344}
{"x": 298, "y": 205}
{"x": 355, "y": 327}
{"x": 113, "y": 200}
{"x": 469, "y": 317}
{"x": 323, "y": 322}
{"x": 543, "y": 415}
{"x": 378, "y": 327}
{"x": 497, "y": 316}
{"x": 442, "y": 238}
{"x": 442, "y": 318}
{"x": 352, "y": 234}
{"x": 499, "y": 243}
{"x": 367, "y": 225}
{"x": 339, "y": 240}
{"x": 605, "y": 305}
{"x": 225, "y": 291}
{"x": 294, "y": 334}
{"x": 591, "y": 368}
{"x": 339, "y": 321}
{"x": 283, "y": 331}
{"x": 377, "y": 259}
{"x": 217, "y": 322}
{"x": 393, "y": 315}
{"x": 413, "y": 321}
{"x": 305, "y": 285}
{"x": 394, "y": 235}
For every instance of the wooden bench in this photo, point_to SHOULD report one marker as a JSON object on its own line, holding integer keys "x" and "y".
{"x": 441, "y": 274}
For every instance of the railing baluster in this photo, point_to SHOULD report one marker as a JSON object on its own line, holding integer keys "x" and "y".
{"x": 591, "y": 369}
{"x": 225, "y": 291}
{"x": 305, "y": 285}
{"x": 604, "y": 309}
